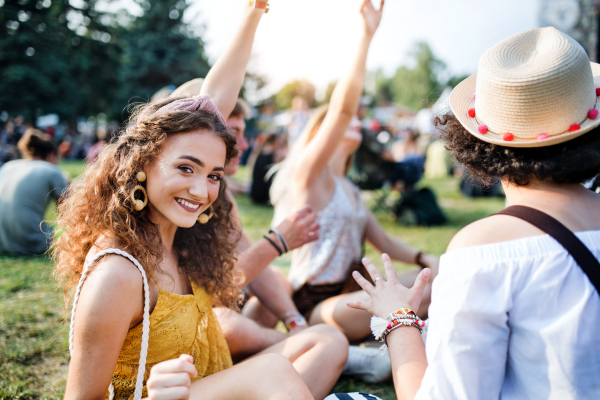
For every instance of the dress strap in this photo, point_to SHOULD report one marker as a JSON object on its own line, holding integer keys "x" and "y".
{"x": 139, "y": 384}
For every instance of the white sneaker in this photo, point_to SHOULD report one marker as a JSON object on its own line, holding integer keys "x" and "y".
{"x": 367, "y": 364}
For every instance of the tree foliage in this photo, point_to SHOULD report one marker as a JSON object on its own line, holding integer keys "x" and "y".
{"x": 417, "y": 86}
{"x": 56, "y": 58}
{"x": 75, "y": 58}
{"x": 160, "y": 50}
{"x": 303, "y": 88}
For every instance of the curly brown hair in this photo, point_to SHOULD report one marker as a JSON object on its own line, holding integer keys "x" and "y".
{"x": 574, "y": 161}
{"x": 98, "y": 204}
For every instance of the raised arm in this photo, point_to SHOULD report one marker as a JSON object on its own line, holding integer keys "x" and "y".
{"x": 224, "y": 80}
{"x": 344, "y": 102}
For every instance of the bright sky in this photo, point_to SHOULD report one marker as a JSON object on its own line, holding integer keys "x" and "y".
{"x": 315, "y": 39}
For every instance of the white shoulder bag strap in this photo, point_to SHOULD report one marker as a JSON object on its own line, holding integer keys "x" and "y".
{"x": 139, "y": 384}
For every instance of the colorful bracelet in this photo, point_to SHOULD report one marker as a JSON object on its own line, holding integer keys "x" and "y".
{"x": 296, "y": 321}
{"x": 259, "y": 4}
{"x": 402, "y": 317}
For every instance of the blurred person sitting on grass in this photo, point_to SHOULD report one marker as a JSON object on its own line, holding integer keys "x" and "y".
{"x": 315, "y": 173}
{"x": 272, "y": 150}
{"x": 26, "y": 188}
{"x": 149, "y": 234}
{"x": 515, "y": 312}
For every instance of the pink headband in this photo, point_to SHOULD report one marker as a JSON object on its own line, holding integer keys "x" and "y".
{"x": 190, "y": 104}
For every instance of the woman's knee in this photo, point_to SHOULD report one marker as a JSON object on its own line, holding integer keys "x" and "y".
{"x": 277, "y": 370}
{"x": 335, "y": 342}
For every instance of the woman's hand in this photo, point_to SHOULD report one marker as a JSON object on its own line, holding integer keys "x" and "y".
{"x": 388, "y": 295}
{"x": 171, "y": 380}
{"x": 300, "y": 228}
{"x": 371, "y": 16}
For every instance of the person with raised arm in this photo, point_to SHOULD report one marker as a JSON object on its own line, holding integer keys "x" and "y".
{"x": 145, "y": 240}
{"x": 315, "y": 174}
{"x": 515, "y": 312}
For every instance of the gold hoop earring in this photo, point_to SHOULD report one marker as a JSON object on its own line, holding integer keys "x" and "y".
{"x": 203, "y": 218}
{"x": 139, "y": 204}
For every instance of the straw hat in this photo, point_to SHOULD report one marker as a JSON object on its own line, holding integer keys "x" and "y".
{"x": 536, "y": 88}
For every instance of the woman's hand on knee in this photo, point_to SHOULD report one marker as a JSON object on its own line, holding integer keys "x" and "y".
{"x": 171, "y": 380}
{"x": 388, "y": 295}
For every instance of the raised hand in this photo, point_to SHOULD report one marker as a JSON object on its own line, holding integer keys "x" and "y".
{"x": 171, "y": 380}
{"x": 300, "y": 228}
{"x": 388, "y": 295}
{"x": 371, "y": 16}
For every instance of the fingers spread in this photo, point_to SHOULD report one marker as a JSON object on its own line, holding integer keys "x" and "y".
{"x": 390, "y": 271}
{"x": 373, "y": 271}
{"x": 362, "y": 282}
{"x": 421, "y": 282}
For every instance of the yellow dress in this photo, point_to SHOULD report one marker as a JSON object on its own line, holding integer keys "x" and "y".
{"x": 179, "y": 324}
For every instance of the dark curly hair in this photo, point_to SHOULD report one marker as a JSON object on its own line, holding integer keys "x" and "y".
{"x": 574, "y": 161}
{"x": 98, "y": 203}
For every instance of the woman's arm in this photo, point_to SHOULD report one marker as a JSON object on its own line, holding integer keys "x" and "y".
{"x": 225, "y": 78}
{"x": 111, "y": 301}
{"x": 394, "y": 247}
{"x": 468, "y": 337}
{"x": 343, "y": 105}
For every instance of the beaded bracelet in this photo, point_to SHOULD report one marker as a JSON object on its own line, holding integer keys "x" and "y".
{"x": 402, "y": 317}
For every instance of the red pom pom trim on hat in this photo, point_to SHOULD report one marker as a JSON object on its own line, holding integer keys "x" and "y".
{"x": 574, "y": 128}
{"x": 542, "y": 136}
{"x": 508, "y": 137}
{"x": 597, "y": 92}
{"x": 471, "y": 112}
{"x": 482, "y": 129}
{"x": 593, "y": 113}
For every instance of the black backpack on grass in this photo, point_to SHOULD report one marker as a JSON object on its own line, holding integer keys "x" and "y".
{"x": 422, "y": 206}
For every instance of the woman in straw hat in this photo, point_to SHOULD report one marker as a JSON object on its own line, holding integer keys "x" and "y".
{"x": 147, "y": 245}
{"x": 515, "y": 312}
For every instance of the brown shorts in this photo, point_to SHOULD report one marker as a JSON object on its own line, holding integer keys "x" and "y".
{"x": 309, "y": 296}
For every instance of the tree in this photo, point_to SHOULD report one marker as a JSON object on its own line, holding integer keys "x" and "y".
{"x": 417, "y": 87}
{"x": 56, "y": 58}
{"x": 160, "y": 50}
{"x": 302, "y": 88}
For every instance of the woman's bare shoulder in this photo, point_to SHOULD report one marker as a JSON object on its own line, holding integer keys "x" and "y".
{"x": 494, "y": 229}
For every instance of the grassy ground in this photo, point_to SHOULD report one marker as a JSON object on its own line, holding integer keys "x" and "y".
{"x": 33, "y": 337}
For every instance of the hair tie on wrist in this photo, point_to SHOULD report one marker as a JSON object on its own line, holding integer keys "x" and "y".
{"x": 281, "y": 239}
{"x": 274, "y": 245}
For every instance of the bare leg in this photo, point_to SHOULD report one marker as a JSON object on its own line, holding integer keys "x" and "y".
{"x": 318, "y": 354}
{"x": 244, "y": 336}
{"x": 334, "y": 311}
{"x": 268, "y": 377}
{"x": 355, "y": 324}
{"x": 255, "y": 310}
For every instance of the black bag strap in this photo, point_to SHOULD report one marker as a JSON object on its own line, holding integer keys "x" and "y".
{"x": 582, "y": 255}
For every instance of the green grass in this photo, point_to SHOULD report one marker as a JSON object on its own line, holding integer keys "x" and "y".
{"x": 34, "y": 338}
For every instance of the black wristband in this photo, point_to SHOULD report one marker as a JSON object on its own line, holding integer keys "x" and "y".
{"x": 418, "y": 260}
{"x": 274, "y": 245}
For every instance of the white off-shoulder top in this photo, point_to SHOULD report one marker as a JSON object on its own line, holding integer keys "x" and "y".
{"x": 514, "y": 320}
